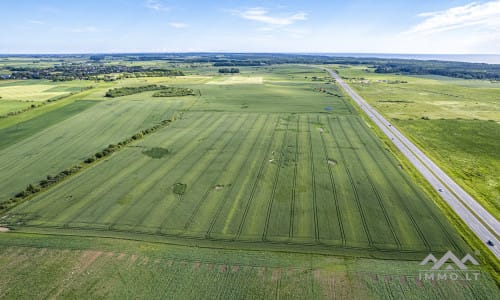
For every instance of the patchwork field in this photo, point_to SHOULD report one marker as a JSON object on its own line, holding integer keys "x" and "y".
{"x": 270, "y": 190}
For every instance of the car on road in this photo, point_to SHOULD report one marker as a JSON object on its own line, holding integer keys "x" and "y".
{"x": 440, "y": 190}
{"x": 490, "y": 243}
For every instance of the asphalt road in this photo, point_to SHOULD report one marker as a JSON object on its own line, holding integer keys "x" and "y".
{"x": 480, "y": 221}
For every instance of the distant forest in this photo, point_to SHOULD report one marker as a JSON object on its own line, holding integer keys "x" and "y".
{"x": 89, "y": 66}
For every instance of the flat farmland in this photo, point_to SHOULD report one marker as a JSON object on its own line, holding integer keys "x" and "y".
{"x": 309, "y": 180}
{"x": 54, "y": 141}
{"x": 16, "y": 95}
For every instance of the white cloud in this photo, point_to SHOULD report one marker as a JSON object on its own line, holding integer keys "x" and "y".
{"x": 156, "y": 5}
{"x": 178, "y": 25}
{"x": 474, "y": 15}
{"x": 37, "y": 22}
{"x": 262, "y": 15}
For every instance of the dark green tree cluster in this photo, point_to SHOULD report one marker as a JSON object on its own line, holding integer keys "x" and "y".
{"x": 125, "y": 91}
{"x": 174, "y": 92}
{"x": 229, "y": 70}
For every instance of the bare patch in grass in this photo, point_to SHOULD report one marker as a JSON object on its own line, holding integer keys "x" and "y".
{"x": 332, "y": 162}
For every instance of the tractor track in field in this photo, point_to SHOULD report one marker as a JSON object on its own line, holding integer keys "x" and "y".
{"x": 116, "y": 180}
{"x": 334, "y": 191}
{"x": 159, "y": 170}
{"x": 356, "y": 196}
{"x": 215, "y": 180}
{"x": 294, "y": 182}
{"x": 254, "y": 185}
{"x": 313, "y": 181}
{"x": 218, "y": 211}
{"x": 105, "y": 187}
{"x": 215, "y": 157}
{"x": 414, "y": 191}
{"x": 406, "y": 208}
{"x": 377, "y": 195}
{"x": 275, "y": 182}
{"x": 215, "y": 140}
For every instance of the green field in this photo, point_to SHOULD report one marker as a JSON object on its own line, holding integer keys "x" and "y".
{"x": 54, "y": 141}
{"x": 266, "y": 184}
{"x": 16, "y": 95}
{"x": 462, "y": 126}
{"x": 44, "y": 266}
{"x": 262, "y": 174}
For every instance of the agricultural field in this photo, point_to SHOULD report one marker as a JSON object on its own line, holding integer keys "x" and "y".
{"x": 455, "y": 121}
{"x": 16, "y": 95}
{"x": 44, "y": 266}
{"x": 56, "y": 140}
{"x": 265, "y": 184}
{"x": 254, "y": 172}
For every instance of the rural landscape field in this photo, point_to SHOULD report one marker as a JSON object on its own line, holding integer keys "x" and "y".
{"x": 166, "y": 149}
{"x": 269, "y": 182}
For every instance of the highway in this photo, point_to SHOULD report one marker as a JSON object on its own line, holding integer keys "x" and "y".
{"x": 480, "y": 221}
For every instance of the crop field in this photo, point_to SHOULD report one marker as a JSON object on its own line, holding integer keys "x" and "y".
{"x": 455, "y": 121}
{"x": 78, "y": 267}
{"x": 16, "y": 95}
{"x": 52, "y": 142}
{"x": 280, "y": 178}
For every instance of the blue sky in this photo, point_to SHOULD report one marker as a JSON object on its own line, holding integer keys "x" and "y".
{"x": 361, "y": 26}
